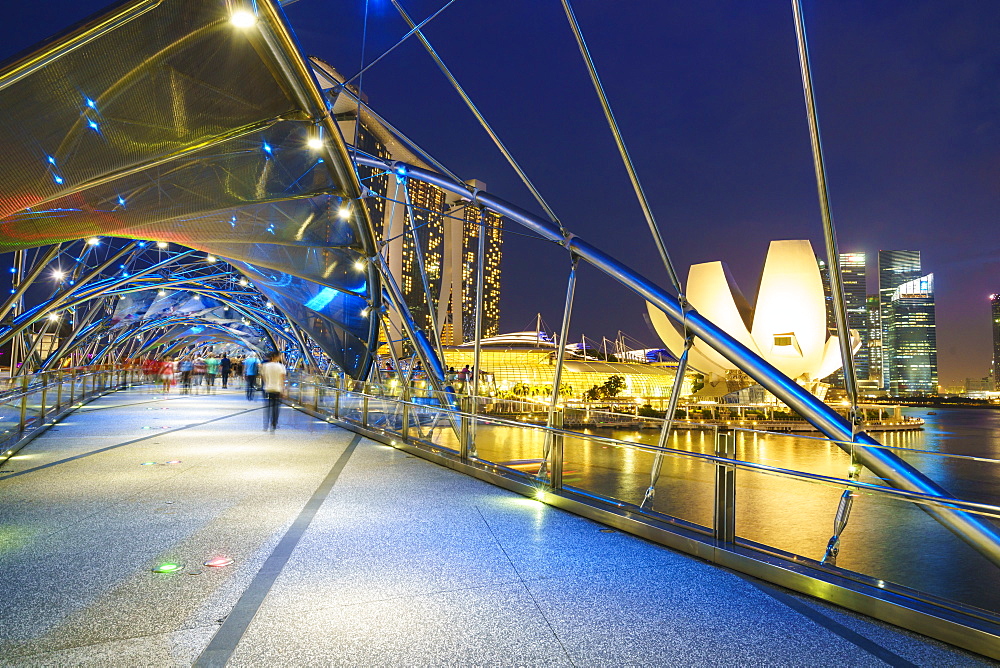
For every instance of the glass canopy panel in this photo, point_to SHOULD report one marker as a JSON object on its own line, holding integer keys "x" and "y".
{"x": 163, "y": 120}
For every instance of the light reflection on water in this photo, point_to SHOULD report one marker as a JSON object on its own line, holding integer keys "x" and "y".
{"x": 891, "y": 540}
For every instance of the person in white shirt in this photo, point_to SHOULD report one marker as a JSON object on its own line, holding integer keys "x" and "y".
{"x": 272, "y": 380}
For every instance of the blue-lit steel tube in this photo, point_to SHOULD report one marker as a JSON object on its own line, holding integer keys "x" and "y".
{"x": 978, "y": 533}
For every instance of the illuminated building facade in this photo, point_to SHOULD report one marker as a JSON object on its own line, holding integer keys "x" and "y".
{"x": 874, "y": 343}
{"x": 913, "y": 363}
{"x": 995, "y": 367}
{"x": 446, "y": 230}
{"x": 853, "y": 272}
{"x": 909, "y": 337}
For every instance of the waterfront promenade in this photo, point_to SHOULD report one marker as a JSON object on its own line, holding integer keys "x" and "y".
{"x": 349, "y": 552}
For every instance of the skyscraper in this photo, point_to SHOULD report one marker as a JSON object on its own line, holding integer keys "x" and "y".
{"x": 423, "y": 224}
{"x": 909, "y": 336}
{"x": 995, "y": 370}
{"x": 853, "y": 272}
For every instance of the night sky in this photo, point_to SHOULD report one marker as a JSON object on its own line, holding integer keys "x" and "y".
{"x": 709, "y": 99}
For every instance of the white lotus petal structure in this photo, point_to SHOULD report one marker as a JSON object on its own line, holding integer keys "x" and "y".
{"x": 787, "y": 327}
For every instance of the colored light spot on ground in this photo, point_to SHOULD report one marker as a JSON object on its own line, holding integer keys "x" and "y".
{"x": 168, "y": 567}
{"x": 218, "y": 562}
{"x": 145, "y": 427}
{"x": 174, "y": 461}
{"x": 147, "y": 464}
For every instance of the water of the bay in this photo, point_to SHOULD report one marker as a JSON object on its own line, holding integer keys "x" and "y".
{"x": 890, "y": 540}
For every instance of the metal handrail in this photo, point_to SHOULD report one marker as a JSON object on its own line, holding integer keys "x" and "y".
{"x": 982, "y": 509}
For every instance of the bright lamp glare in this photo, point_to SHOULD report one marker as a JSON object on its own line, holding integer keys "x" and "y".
{"x": 359, "y": 265}
{"x": 93, "y": 241}
{"x": 315, "y": 143}
{"x": 53, "y": 316}
{"x": 243, "y": 19}
{"x": 58, "y": 275}
{"x": 344, "y": 213}
{"x": 210, "y": 258}
{"x": 161, "y": 244}
{"x": 243, "y": 282}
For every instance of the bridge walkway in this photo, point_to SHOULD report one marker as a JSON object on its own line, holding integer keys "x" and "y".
{"x": 349, "y": 552}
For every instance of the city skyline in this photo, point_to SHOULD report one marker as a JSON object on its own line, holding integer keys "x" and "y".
{"x": 713, "y": 117}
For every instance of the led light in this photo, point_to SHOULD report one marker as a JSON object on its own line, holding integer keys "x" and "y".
{"x": 53, "y": 316}
{"x": 210, "y": 258}
{"x": 267, "y": 148}
{"x": 168, "y": 567}
{"x": 243, "y": 282}
{"x": 121, "y": 200}
{"x": 91, "y": 104}
{"x": 243, "y": 19}
{"x": 218, "y": 562}
{"x": 359, "y": 265}
{"x": 162, "y": 244}
{"x": 315, "y": 143}
{"x": 344, "y": 213}
{"x": 57, "y": 179}
{"x": 364, "y": 312}
{"x": 162, "y": 293}
{"x": 58, "y": 274}
{"x": 94, "y": 241}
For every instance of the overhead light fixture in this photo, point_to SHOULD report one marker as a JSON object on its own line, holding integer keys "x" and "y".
{"x": 241, "y": 18}
{"x": 211, "y": 258}
{"x": 344, "y": 213}
{"x": 162, "y": 244}
{"x": 93, "y": 241}
{"x": 315, "y": 143}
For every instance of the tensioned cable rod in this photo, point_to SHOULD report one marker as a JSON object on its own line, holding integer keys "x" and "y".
{"x": 622, "y": 150}
{"x": 829, "y": 232}
{"x": 482, "y": 120}
{"x": 401, "y": 40}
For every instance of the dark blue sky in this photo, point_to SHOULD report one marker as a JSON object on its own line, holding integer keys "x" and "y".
{"x": 709, "y": 99}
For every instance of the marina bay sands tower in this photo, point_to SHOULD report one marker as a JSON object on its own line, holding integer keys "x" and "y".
{"x": 432, "y": 236}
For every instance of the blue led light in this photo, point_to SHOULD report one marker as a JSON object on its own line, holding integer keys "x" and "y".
{"x": 319, "y": 161}
{"x": 51, "y": 160}
{"x": 13, "y": 270}
{"x": 321, "y": 299}
{"x": 90, "y": 103}
{"x": 121, "y": 200}
{"x": 57, "y": 178}
{"x": 93, "y": 125}
{"x": 267, "y": 148}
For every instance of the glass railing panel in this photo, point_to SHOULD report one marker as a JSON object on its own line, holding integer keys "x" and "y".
{"x": 685, "y": 487}
{"x": 433, "y": 425}
{"x": 513, "y": 447}
{"x": 352, "y": 406}
{"x": 10, "y": 414}
{"x": 898, "y": 542}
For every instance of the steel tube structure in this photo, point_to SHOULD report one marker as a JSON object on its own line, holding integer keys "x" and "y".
{"x": 978, "y": 533}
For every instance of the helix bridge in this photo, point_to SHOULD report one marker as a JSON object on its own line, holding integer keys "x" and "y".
{"x": 195, "y": 180}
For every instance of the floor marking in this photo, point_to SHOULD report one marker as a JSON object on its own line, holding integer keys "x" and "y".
{"x": 225, "y": 640}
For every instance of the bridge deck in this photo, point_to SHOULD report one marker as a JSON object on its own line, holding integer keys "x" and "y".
{"x": 348, "y": 552}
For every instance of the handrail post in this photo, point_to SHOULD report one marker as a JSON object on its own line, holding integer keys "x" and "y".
{"x": 465, "y": 430}
{"x": 45, "y": 393}
{"x": 364, "y": 406}
{"x": 59, "y": 392}
{"x": 558, "y": 451}
{"x": 406, "y": 420}
{"x": 72, "y": 386}
{"x": 24, "y": 404}
{"x": 725, "y": 487}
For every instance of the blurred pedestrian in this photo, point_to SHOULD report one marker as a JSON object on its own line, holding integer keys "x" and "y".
{"x": 225, "y": 366}
{"x": 272, "y": 377}
{"x": 251, "y": 366}
{"x": 211, "y": 371}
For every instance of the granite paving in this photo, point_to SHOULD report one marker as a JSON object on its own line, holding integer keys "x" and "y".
{"x": 347, "y": 552}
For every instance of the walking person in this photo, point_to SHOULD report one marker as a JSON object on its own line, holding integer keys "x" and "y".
{"x": 211, "y": 371}
{"x": 225, "y": 366}
{"x": 199, "y": 371}
{"x": 186, "y": 368}
{"x": 272, "y": 377}
{"x": 251, "y": 366}
{"x": 167, "y": 374}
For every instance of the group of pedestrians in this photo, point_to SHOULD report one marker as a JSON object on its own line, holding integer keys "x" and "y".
{"x": 196, "y": 371}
